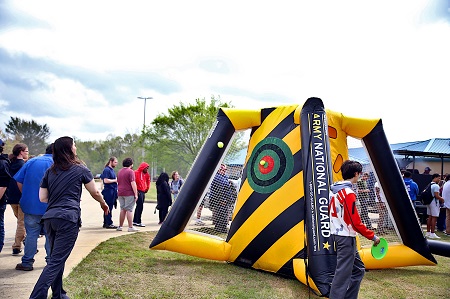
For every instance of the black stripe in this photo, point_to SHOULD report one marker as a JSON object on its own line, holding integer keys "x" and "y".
{"x": 265, "y": 112}
{"x": 291, "y": 217}
{"x": 288, "y": 268}
{"x": 282, "y": 129}
{"x": 256, "y": 199}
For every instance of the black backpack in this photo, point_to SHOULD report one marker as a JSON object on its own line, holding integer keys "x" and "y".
{"x": 426, "y": 195}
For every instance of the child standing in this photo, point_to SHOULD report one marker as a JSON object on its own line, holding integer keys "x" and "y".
{"x": 345, "y": 223}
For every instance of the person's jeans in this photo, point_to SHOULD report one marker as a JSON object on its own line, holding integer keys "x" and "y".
{"x": 33, "y": 228}
{"x": 110, "y": 196}
{"x": 2, "y": 225}
{"x": 139, "y": 207}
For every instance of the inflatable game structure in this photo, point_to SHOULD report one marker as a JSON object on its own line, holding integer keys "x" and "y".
{"x": 280, "y": 219}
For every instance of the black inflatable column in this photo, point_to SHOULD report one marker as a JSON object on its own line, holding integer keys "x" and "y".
{"x": 317, "y": 177}
{"x": 198, "y": 178}
{"x": 390, "y": 178}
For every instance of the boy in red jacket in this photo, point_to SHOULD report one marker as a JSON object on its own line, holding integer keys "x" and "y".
{"x": 345, "y": 223}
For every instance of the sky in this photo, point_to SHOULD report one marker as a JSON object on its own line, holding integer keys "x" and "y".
{"x": 80, "y": 66}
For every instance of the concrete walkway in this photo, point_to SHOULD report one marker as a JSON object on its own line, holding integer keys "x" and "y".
{"x": 19, "y": 284}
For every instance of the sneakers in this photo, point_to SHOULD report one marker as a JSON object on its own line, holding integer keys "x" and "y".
{"x": 446, "y": 233}
{"x": 133, "y": 229}
{"x": 111, "y": 226}
{"x": 23, "y": 268}
{"x": 16, "y": 251}
{"x": 199, "y": 222}
{"x": 139, "y": 224}
{"x": 428, "y": 234}
{"x": 433, "y": 236}
{"x": 119, "y": 228}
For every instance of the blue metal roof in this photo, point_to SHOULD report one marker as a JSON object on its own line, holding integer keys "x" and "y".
{"x": 436, "y": 147}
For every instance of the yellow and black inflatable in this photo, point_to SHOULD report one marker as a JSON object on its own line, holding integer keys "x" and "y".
{"x": 280, "y": 223}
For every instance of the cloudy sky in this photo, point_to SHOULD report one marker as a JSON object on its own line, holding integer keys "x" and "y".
{"x": 79, "y": 66}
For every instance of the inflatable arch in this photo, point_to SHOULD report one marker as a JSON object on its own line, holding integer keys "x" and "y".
{"x": 280, "y": 222}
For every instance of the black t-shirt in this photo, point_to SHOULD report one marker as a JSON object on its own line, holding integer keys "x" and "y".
{"x": 5, "y": 176}
{"x": 64, "y": 191}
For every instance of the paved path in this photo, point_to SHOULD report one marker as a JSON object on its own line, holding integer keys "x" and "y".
{"x": 19, "y": 284}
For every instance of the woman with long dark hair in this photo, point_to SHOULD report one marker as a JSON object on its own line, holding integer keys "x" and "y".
{"x": 17, "y": 157}
{"x": 61, "y": 188}
{"x": 163, "y": 196}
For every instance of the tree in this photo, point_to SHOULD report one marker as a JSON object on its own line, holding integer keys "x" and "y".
{"x": 175, "y": 139}
{"x": 31, "y": 133}
{"x": 97, "y": 153}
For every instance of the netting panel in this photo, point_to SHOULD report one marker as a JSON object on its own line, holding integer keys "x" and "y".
{"x": 372, "y": 205}
{"x": 213, "y": 214}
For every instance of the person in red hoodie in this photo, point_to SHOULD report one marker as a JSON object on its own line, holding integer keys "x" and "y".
{"x": 345, "y": 222}
{"x": 143, "y": 185}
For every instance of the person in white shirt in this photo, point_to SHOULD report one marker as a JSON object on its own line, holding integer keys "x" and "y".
{"x": 446, "y": 196}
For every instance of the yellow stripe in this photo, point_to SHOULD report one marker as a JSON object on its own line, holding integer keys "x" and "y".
{"x": 292, "y": 139}
{"x": 398, "y": 255}
{"x": 244, "y": 194}
{"x": 198, "y": 245}
{"x": 243, "y": 119}
{"x": 300, "y": 273}
{"x": 269, "y": 124}
{"x": 272, "y": 260}
{"x": 266, "y": 213}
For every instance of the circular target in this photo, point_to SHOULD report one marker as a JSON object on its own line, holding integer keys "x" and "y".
{"x": 270, "y": 165}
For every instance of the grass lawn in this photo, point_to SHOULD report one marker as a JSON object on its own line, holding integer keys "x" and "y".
{"x": 150, "y": 196}
{"x": 124, "y": 267}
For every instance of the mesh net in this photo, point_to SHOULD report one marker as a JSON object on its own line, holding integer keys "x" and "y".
{"x": 213, "y": 214}
{"x": 371, "y": 202}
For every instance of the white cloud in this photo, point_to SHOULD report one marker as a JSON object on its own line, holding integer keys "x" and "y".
{"x": 362, "y": 59}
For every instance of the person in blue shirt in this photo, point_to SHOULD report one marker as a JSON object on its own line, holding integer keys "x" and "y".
{"x": 109, "y": 191}
{"x": 28, "y": 180}
{"x": 411, "y": 186}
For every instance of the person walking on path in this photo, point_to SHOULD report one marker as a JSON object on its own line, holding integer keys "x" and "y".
{"x": 61, "y": 188}
{"x": 128, "y": 194}
{"x": 28, "y": 180}
{"x": 434, "y": 208}
{"x": 163, "y": 196}
{"x": 344, "y": 224}
{"x": 17, "y": 158}
{"x": 109, "y": 191}
{"x": 5, "y": 177}
{"x": 143, "y": 185}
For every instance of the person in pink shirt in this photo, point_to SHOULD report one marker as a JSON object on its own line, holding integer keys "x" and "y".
{"x": 128, "y": 194}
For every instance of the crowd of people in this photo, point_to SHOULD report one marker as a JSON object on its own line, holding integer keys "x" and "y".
{"x": 437, "y": 212}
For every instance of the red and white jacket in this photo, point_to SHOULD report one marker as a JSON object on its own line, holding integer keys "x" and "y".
{"x": 344, "y": 216}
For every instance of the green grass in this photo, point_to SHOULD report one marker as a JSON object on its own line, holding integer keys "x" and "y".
{"x": 124, "y": 267}
{"x": 150, "y": 196}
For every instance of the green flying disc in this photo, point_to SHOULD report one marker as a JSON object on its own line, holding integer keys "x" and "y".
{"x": 379, "y": 251}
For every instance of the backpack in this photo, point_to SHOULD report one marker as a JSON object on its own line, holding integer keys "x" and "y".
{"x": 426, "y": 195}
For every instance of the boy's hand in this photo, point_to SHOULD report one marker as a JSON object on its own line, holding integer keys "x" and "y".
{"x": 376, "y": 240}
